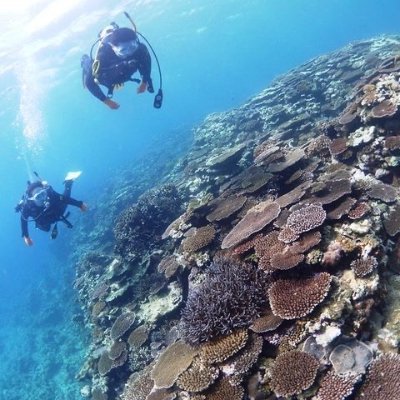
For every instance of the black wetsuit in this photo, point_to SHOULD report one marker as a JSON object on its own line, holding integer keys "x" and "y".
{"x": 50, "y": 214}
{"x": 114, "y": 70}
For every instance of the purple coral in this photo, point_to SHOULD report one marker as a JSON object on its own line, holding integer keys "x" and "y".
{"x": 232, "y": 296}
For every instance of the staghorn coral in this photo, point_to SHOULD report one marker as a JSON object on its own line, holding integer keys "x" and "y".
{"x": 122, "y": 324}
{"x": 382, "y": 380}
{"x": 290, "y": 298}
{"x": 334, "y": 387}
{"x": 224, "y": 390}
{"x": 231, "y": 297}
{"x": 256, "y": 219}
{"x": 293, "y": 372}
{"x": 198, "y": 377}
{"x": 218, "y": 350}
{"x": 306, "y": 219}
{"x": 201, "y": 238}
{"x": 364, "y": 266}
{"x": 175, "y": 359}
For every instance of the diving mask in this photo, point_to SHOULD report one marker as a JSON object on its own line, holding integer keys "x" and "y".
{"x": 39, "y": 197}
{"x": 125, "y": 49}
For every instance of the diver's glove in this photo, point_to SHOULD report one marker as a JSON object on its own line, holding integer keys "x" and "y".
{"x": 28, "y": 241}
{"x": 83, "y": 207}
{"x": 111, "y": 103}
{"x": 142, "y": 87}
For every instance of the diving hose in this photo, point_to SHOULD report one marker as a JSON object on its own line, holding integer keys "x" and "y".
{"x": 158, "y": 99}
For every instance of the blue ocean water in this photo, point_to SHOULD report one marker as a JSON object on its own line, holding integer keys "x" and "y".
{"x": 214, "y": 55}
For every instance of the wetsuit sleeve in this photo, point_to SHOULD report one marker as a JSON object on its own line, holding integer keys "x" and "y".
{"x": 144, "y": 62}
{"x": 71, "y": 201}
{"x": 24, "y": 224}
{"x": 93, "y": 87}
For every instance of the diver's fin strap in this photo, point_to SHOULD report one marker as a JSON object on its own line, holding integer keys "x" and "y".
{"x": 63, "y": 218}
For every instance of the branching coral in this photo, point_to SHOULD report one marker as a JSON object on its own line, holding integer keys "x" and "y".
{"x": 307, "y": 218}
{"x": 141, "y": 224}
{"x": 231, "y": 297}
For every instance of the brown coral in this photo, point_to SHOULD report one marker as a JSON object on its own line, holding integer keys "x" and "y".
{"x": 105, "y": 364}
{"x": 266, "y": 323}
{"x": 247, "y": 357}
{"x": 384, "y": 109}
{"x": 122, "y": 324}
{"x": 333, "y": 190}
{"x": 198, "y": 377}
{"x": 287, "y": 235}
{"x": 293, "y": 372}
{"x": 116, "y": 350}
{"x": 201, "y": 238}
{"x": 138, "y": 336}
{"x": 342, "y": 209}
{"x": 218, "y": 350}
{"x": 225, "y": 208}
{"x": 294, "y": 195}
{"x": 364, "y": 266}
{"x": 139, "y": 385}
{"x": 286, "y": 260}
{"x": 290, "y": 298}
{"x": 383, "y": 379}
{"x": 168, "y": 266}
{"x": 256, "y": 219}
{"x": 338, "y": 146}
{"x": 307, "y": 218}
{"x": 334, "y": 387}
{"x": 359, "y": 210}
{"x": 392, "y": 221}
{"x": 384, "y": 192}
{"x": 172, "y": 362}
{"x": 224, "y": 390}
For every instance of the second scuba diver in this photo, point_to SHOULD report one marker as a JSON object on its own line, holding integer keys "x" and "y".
{"x": 43, "y": 205}
{"x": 119, "y": 55}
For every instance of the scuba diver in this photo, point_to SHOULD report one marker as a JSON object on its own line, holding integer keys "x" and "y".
{"x": 119, "y": 55}
{"x": 43, "y": 205}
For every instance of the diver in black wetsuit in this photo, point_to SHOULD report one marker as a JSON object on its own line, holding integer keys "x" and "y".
{"x": 43, "y": 205}
{"x": 119, "y": 56}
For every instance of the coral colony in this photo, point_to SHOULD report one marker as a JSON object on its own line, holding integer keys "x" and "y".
{"x": 266, "y": 264}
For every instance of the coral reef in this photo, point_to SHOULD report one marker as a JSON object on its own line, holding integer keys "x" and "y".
{"x": 262, "y": 263}
{"x": 231, "y": 297}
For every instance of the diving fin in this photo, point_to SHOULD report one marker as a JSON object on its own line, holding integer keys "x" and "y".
{"x": 71, "y": 176}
